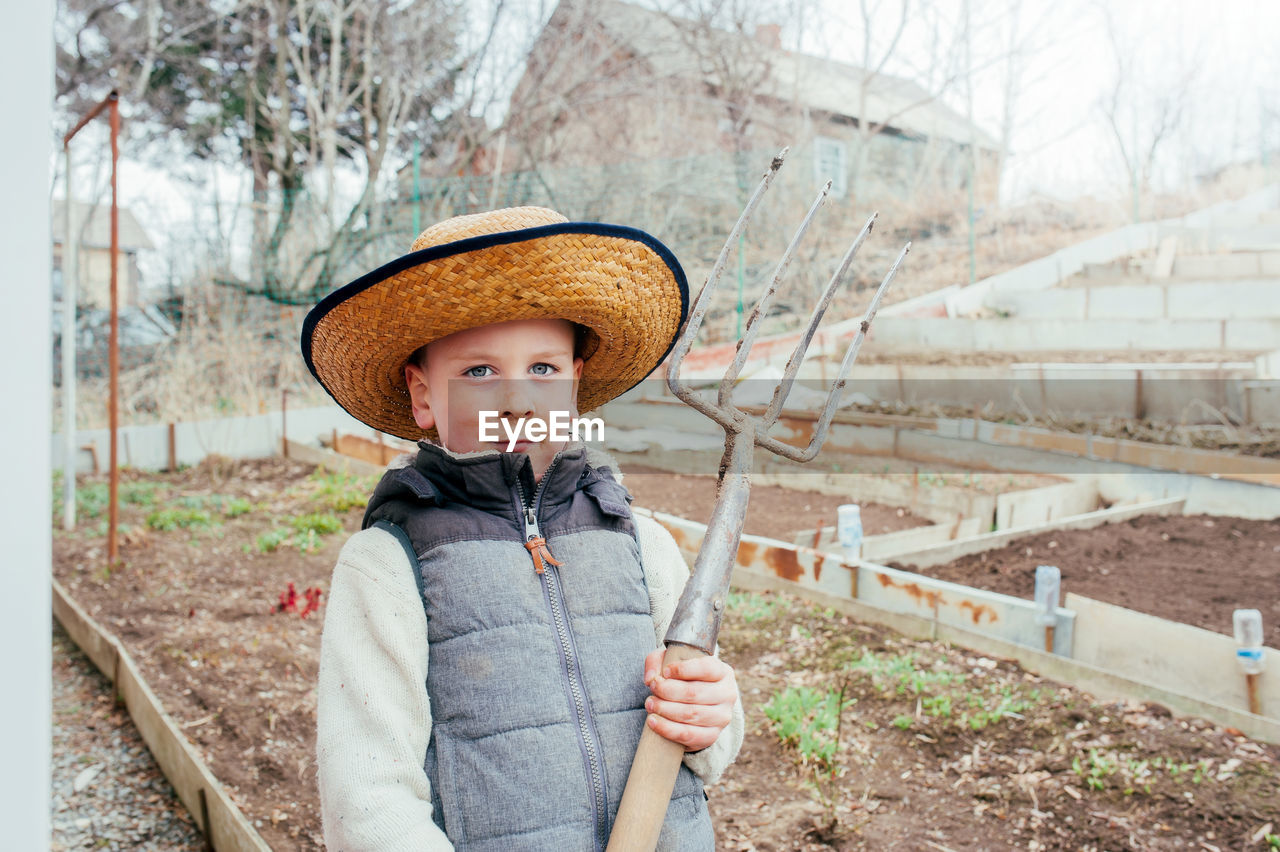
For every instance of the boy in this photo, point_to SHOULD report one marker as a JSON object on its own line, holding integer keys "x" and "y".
{"x": 487, "y": 662}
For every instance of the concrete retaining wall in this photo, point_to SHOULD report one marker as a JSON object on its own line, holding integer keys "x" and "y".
{"x": 1211, "y": 223}
{"x": 1240, "y": 299}
{"x": 1212, "y": 482}
{"x": 1042, "y": 505}
{"x": 886, "y": 545}
{"x": 897, "y": 334}
{"x": 254, "y": 436}
{"x": 1181, "y": 657}
{"x": 1239, "y": 264}
{"x": 943, "y": 604}
{"x": 1179, "y": 392}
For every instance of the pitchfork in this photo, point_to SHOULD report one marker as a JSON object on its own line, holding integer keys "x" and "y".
{"x": 696, "y": 622}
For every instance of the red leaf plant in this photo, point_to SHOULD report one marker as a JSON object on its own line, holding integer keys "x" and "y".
{"x": 289, "y": 598}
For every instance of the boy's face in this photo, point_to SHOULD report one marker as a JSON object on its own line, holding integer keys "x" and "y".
{"x": 520, "y": 369}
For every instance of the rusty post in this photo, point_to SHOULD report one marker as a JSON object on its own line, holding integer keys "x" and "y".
{"x": 284, "y": 422}
{"x": 1048, "y": 639}
{"x": 173, "y": 448}
{"x": 696, "y": 621}
{"x": 1251, "y": 686}
{"x": 113, "y": 512}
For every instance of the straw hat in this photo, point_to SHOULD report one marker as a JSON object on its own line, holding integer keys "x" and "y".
{"x": 620, "y": 283}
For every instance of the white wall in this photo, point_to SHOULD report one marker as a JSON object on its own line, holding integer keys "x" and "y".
{"x": 26, "y": 64}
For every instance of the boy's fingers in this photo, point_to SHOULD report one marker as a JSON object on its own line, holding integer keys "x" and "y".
{"x": 652, "y": 665}
{"x": 715, "y": 716}
{"x": 691, "y": 737}
{"x": 695, "y": 691}
{"x": 699, "y": 668}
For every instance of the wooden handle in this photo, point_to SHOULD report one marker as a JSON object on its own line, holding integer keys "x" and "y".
{"x": 653, "y": 776}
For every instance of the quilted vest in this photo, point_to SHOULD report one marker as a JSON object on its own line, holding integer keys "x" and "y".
{"x": 536, "y": 658}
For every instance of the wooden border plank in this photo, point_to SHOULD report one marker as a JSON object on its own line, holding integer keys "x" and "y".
{"x": 227, "y": 827}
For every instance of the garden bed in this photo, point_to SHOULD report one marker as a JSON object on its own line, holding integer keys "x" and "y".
{"x": 774, "y": 511}
{"x": 1195, "y": 569}
{"x": 940, "y": 749}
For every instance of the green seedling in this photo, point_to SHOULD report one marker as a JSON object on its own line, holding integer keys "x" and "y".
{"x": 138, "y": 493}
{"x": 179, "y": 517}
{"x": 340, "y": 492}
{"x": 269, "y": 541}
{"x": 809, "y": 721}
{"x": 303, "y": 531}
{"x": 941, "y": 694}
{"x": 237, "y": 506}
{"x": 751, "y": 606}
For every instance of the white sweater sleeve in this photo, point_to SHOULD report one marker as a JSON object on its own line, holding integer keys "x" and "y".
{"x": 665, "y": 572}
{"x": 373, "y": 718}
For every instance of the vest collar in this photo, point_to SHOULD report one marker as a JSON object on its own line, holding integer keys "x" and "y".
{"x": 487, "y": 479}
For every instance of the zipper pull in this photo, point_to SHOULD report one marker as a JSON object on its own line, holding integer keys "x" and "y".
{"x": 535, "y": 543}
{"x": 538, "y": 550}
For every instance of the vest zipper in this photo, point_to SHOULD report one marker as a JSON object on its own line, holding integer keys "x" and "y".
{"x": 554, "y": 594}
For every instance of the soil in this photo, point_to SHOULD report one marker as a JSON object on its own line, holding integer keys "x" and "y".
{"x": 1012, "y": 763}
{"x": 1141, "y": 562}
{"x": 773, "y": 512}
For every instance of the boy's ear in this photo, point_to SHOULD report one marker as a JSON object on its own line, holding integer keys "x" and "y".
{"x": 577, "y": 375}
{"x": 416, "y": 378}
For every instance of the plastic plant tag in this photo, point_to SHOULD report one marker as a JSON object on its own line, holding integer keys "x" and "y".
{"x": 849, "y": 530}
{"x": 1247, "y": 624}
{"x": 1048, "y": 588}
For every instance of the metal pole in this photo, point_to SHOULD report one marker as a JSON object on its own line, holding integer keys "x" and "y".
{"x": 497, "y": 169}
{"x": 417, "y": 223}
{"x": 70, "y": 272}
{"x": 113, "y": 513}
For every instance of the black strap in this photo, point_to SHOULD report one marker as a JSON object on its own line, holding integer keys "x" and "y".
{"x": 403, "y": 537}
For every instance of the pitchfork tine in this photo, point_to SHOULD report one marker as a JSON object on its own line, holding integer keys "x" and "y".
{"x": 690, "y": 332}
{"x": 783, "y": 390}
{"x": 762, "y": 306}
{"x": 833, "y": 398}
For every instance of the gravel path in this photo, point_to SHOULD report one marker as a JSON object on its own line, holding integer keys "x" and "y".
{"x": 107, "y": 791}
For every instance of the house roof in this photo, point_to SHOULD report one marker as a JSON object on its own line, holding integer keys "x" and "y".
{"x": 813, "y": 81}
{"x": 97, "y": 234}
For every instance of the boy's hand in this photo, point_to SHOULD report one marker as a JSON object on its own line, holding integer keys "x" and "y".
{"x": 692, "y": 701}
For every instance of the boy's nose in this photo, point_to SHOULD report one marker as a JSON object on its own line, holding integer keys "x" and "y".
{"x": 518, "y": 398}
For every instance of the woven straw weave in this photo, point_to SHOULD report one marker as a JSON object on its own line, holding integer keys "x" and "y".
{"x": 617, "y": 286}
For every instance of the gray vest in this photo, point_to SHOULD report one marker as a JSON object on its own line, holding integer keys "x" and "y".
{"x": 535, "y": 677}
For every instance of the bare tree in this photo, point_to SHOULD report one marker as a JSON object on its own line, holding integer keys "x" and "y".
{"x": 1141, "y": 113}
{"x": 300, "y": 88}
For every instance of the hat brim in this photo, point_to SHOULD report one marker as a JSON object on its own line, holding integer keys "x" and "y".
{"x": 620, "y": 282}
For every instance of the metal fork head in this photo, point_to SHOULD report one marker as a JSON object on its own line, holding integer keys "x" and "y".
{"x": 734, "y": 421}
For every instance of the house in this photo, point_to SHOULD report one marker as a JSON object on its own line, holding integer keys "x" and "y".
{"x": 610, "y": 82}
{"x": 94, "y": 258}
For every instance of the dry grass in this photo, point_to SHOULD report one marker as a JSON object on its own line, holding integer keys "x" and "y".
{"x": 233, "y": 355}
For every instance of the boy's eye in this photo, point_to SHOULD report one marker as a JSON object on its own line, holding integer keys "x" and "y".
{"x": 478, "y": 372}
{"x": 543, "y": 369}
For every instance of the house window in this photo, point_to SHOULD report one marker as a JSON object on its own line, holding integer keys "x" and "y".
{"x": 831, "y": 162}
